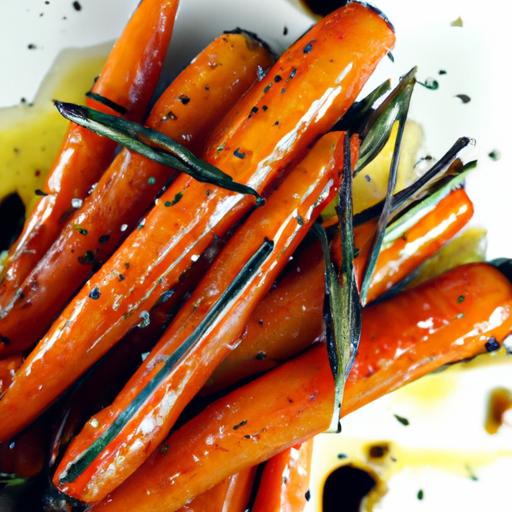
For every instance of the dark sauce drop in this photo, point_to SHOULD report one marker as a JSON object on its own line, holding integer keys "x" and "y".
{"x": 12, "y": 217}
{"x": 500, "y": 401}
{"x": 347, "y": 485}
{"x": 323, "y": 7}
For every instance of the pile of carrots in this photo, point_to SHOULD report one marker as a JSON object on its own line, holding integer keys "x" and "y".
{"x": 161, "y": 337}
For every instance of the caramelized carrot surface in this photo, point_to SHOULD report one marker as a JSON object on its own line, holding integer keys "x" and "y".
{"x": 289, "y": 318}
{"x": 128, "y": 79}
{"x": 215, "y": 80}
{"x": 306, "y": 91}
{"x": 231, "y": 495}
{"x": 196, "y": 341}
{"x": 294, "y": 402}
{"x": 284, "y": 485}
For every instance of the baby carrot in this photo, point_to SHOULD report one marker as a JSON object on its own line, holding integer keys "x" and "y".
{"x": 216, "y": 78}
{"x": 294, "y": 401}
{"x": 289, "y": 318}
{"x": 312, "y": 85}
{"x": 127, "y": 82}
{"x": 231, "y": 495}
{"x": 166, "y": 382}
{"x": 284, "y": 485}
{"x": 8, "y": 368}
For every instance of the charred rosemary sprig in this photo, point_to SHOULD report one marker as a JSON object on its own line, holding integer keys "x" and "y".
{"x": 151, "y": 144}
{"x": 394, "y": 108}
{"x": 342, "y": 307}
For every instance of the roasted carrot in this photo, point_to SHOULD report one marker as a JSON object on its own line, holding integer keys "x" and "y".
{"x": 311, "y": 86}
{"x": 8, "y": 367}
{"x": 126, "y": 83}
{"x": 211, "y": 83}
{"x": 203, "y": 332}
{"x": 284, "y": 485}
{"x": 289, "y": 318}
{"x": 231, "y": 495}
{"x": 294, "y": 401}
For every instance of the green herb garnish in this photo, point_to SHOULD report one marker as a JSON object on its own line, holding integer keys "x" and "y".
{"x": 151, "y": 144}
{"x": 394, "y": 108}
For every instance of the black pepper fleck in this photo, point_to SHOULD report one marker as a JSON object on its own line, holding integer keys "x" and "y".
{"x": 494, "y": 155}
{"x": 103, "y": 239}
{"x": 239, "y": 425}
{"x": 442, "y": 72}
{"x": 31, "y": 46}
{"x": 77, "y": 6}
{"x": 239, "y": 154}
{"x": 420, "y": 494}
{"x": 278, "y": 78}
{"x": 293, "y": 72}
{"x": 261, "y": 73}
{"x": 261, "y": 356}
{"x": 121, "y": 277}
{"x": 39, "y": 192}
{"x": 264, "y": 108}
{"x": 285, "y": 30}
{"x": 308, "y": 47}
{"x": 300, "y": 220}
{"x": 342, "y": 456}
{"x": 95, "y": 293}
{"x": 491, "y": 345}
{"x": 460, "y": 299}
{"x": 185, "y": 100}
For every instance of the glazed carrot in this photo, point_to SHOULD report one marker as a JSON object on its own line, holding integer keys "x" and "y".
{"x": 166, "y": 382}
{"x": 284, "y": 485}
{"x": 289, "y": 318}
{"x": 311, "y": 86}
{"x": 8, "y": 367}
{"x": 231, "y": 495}
{"x": 216, "y": 78}
{"x": 294, "y": 401}
{"x": 128, "y": 79}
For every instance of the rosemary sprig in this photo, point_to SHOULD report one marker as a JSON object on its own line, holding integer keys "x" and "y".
{"x": 420, "y": 187}
{"x": 151, "y": 144}
{"x": 399, "y": 225}
{"x": 377, "y": 129}
{"x": 395, "y": 107}
{"x": 342, "y": 307}
{"x": 359, "y": 112}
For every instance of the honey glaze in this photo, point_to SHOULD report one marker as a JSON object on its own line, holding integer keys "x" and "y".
{"x": 31, "y": 133}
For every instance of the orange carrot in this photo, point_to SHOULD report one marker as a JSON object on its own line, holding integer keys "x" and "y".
{"x": 231, "y": 495}
{"x": 211, "y": 83}
{"x": 294, "y": 402}
{"x": 8, "y": 368}
{"x": 289, "y": 318}
{"x": 128, "y": 79}
{"x": 203, "y": 332}
{"x": 284, "y": 486}
{"x": 311, "y": 86}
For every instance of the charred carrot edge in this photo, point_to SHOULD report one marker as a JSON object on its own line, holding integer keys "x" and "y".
{"x": 231, "y": 495}
{"x": 289, "y": 318}
{"x": 294, "y": 402}
{"x": 8, "y": 368}
{"x": 284, "y": 484}
{"x": 321, "y": 75}
{"x": 202, "y": 333}
{"x": 211, "y": 84}
{"x": 128, "y": 78}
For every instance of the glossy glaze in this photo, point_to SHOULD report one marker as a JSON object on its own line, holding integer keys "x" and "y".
{"x": 294, "y": 401}
{"x": 213, "y": 82}
{"x": 153, "y": 258}
{"x": 290, "y": 317}
{"x": 128, "y": 78}
{"x": 284, "y": 485}
{"x": 285, "y": 219}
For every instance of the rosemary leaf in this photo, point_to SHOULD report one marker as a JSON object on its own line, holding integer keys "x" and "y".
{"x": 151, "y": 144}
{"x": 397, "y": 107}
{"x": 437, "y": 192}
{"x": 378, "y": 127}
{"x": 420, "y": 187}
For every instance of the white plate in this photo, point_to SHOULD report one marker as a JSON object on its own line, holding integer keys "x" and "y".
{"x": 476, "y": 58}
